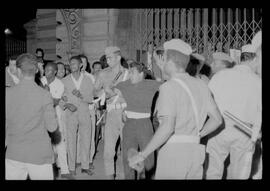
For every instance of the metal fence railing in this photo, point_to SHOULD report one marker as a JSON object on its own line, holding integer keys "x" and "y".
{"x": 14, "y": 46}
{"x": 206, "y": 30}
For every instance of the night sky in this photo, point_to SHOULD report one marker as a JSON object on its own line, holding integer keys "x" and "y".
{"x": 17, "y": 19}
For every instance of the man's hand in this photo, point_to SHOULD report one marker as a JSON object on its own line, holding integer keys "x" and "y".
{"x": 77, "y": 93}
{"x": 136, "y": 161}
{"x": 70, "y": 107}
{"x": 160, "y": 61}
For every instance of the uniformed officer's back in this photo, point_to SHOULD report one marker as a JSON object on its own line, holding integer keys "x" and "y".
{"x": 185, "y": 120}
{"x": 29, "y": 114}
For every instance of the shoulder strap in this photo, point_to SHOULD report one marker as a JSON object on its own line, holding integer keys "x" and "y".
{"x": 195, "y": 109}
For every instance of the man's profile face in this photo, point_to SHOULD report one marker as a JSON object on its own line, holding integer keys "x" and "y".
{"x": 50, "y": 71}
{"x": 60, "y": 71}
{"x": 97, "y": 68}
{"x": 74, "y": 65}
{"x": 113, "y": 59}
{"x": 39, "y": 54}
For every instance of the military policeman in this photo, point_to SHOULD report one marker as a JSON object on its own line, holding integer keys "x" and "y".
{"x": 107, "y": 79}
{"x": 183, "y": 105}
{"x": 236, "y": 90}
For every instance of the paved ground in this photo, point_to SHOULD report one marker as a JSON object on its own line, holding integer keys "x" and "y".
{"x": 99, "y": 172}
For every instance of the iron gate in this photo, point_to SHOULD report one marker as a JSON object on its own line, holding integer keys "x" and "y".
{"x": 206, "y": 30}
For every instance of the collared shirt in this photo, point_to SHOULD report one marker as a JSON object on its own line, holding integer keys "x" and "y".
{"x": 238, "y": 90}
{"x": 56, "y": 87}
{"x": 174, "y": 101}
{"x": 78, "y": 82}
{"x": 29, "y": 114}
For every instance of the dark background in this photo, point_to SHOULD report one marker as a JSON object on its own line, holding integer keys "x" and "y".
{"x": 15, "y": 20}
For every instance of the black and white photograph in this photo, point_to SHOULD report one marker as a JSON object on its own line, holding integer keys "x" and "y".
{"x": 133, "y": 94}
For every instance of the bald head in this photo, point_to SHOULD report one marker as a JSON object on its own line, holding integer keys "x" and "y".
{"x": 27, "y": 63}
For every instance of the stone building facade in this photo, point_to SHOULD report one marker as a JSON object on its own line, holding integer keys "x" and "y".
{"x": 66, "y": 32}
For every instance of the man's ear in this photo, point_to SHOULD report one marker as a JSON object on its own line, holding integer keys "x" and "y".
{"x": 118, "y": 58}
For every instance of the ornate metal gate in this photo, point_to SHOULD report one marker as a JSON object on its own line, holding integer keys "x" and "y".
{"x": 207, "y": 30}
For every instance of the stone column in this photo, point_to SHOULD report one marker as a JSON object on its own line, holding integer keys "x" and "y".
{"x": 46, "y": 32}
{"x": 31, "y": 43}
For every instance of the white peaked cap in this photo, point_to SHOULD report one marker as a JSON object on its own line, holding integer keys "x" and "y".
{"x": 178, "y": 45}
{"x": 257, "y": 40}
{"x": 248, "y": 48}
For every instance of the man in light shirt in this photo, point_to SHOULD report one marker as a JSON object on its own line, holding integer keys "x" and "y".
{"x": 79, "y": 92}
{"x": 56, "y": 88}
{"x": 238, "y": 91}
{"x": 12, "y": 72}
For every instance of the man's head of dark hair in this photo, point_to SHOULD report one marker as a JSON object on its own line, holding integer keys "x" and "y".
{"x": 192, "y": 66}
{"x": 205, "y": 70}
{"x": 40, "y": 50}
{"x": 14, "y": 56}
{"x": 78, "y": 58}
{"x": 141, "y": 68}
{"x": 60, "y": 63}
{"x": 124, "y": 62}
{"x": 27, "y": 63}
{"x": 247, "y": 56}
{"x": 96, "y": 63}
{"x": 180, "y": 60}
{"x": 51, "y": 64}
{"x": 228, "y": 64}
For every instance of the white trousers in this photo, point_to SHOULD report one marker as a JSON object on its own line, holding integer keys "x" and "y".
{"x": 92, "y": 142}
{"x": 16, "y": 170}
{"x": 61, "y": 148}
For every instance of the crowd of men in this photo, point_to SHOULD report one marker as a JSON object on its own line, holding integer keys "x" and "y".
{"x": 167, "y": 119}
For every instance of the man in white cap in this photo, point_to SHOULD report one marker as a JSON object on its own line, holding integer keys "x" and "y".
{"x": 257, "y": 45}
{"x": 221, "y": 61}
{"x": 238, "y": 91}
{"x": 105, "y": 80}
{"x": 183, "y": 105}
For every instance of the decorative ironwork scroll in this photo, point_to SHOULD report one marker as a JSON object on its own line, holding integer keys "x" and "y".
{"x": 72, "y": 18}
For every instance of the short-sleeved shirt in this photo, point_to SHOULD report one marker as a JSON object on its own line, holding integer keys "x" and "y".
{"x": 174, "y": 101}
{"x": 239, "y": 91}
{"x": 56, "y": 87}
{"x": 139, "y": 96}
{"x": 29, "y": 115}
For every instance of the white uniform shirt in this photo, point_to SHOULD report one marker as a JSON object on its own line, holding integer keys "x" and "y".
{"x": 239, "y": 91}
{"x": 56, "y": 87}
{"x": 56, "y": 90}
